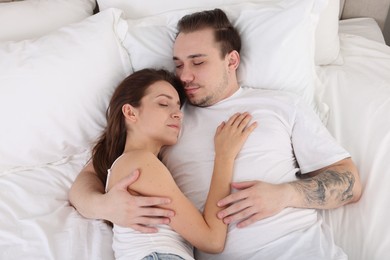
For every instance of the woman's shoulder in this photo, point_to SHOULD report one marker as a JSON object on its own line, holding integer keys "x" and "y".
{"x": 133, "y": 160}
{"x": 153, "y": 172}
{"x": 136, "y": 158}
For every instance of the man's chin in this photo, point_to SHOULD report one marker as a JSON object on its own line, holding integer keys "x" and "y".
{"x": 205, "y": 102}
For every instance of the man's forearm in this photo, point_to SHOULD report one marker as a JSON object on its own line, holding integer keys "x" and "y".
{"x": 85, "y": 191}
{"x": 330, "y": 188}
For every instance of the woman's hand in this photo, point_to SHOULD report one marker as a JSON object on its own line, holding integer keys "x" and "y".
{"x": 231, "y": 135}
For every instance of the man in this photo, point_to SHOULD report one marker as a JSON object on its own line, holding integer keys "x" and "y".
{"x": 289, "y": 166}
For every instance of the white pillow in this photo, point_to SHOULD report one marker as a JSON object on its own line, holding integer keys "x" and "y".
{"x": 277, "y": 44}
{"x": 327, "y": 35}
{"x": 327, "y": 41}
{"x": 54, "y": 90}
{"x": 22, "y": 20}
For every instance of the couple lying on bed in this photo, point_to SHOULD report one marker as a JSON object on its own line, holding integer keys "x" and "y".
{"x": 286, "y": 164}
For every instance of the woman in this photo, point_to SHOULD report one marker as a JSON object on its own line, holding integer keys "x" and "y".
{"x": 143, "y": 116}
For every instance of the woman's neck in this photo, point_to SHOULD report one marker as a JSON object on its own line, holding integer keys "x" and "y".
{"x": 138, "y": 143}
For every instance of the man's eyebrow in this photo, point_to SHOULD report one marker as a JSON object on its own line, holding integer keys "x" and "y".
{"x": 192, "y": 56}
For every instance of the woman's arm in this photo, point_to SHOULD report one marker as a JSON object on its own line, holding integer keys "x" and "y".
{"x": 232, "y": 141}
{"x": 206, "y": 232}
{"x": 118, "y": 206}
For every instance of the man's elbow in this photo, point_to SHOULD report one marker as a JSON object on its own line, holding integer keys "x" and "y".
{"x": 357, "y": 192}
{"x": 357, "y": 188}
{"x": 352, "y": 177}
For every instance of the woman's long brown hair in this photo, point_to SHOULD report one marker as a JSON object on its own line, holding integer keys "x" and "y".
{"x": 131, "y": 90}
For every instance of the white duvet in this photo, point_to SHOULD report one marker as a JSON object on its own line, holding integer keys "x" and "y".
{"x": 37, "y": 222}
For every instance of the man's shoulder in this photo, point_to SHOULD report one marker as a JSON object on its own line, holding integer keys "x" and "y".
{"x": 282, "y": 96}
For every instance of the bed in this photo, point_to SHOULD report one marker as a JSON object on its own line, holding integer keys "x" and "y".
{"x": 61, "y": 59}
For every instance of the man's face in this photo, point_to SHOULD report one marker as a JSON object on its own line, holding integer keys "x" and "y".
{"x": 201, "y": 68}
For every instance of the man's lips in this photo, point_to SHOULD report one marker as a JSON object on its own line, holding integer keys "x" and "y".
{"x": 191, "y": 90}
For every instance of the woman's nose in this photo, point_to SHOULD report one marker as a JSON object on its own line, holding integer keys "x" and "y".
{"x": 178, "y": 114}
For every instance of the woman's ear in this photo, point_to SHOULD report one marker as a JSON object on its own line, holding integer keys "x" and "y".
{"x": 129, "y": 112}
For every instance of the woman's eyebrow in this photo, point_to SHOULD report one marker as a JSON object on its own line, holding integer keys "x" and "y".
{"x": 167, "y": 96}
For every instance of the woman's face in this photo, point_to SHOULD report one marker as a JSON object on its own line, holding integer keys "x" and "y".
{"x": 159, "y": 114}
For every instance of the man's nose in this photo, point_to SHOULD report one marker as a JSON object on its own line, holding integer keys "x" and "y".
{"x": 186, "y": 75}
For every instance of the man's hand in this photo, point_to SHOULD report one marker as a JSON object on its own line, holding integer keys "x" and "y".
{"x": 138, "y": 212}
{"x": 118, "y": 206}
{"x": 327, "y": 188}
{"x": 254, "y": 200}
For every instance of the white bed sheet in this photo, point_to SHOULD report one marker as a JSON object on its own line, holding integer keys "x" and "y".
{"x": 37, "y": 222}
{"x": 358, "y": 94}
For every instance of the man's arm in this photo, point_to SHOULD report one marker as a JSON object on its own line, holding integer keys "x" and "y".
{"x": 327, "y": 188}
{"x": 118, "y": 206}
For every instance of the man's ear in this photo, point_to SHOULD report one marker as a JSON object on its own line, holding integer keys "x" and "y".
{"x": 234, "y": 60}
{"x": 129, "y": 112}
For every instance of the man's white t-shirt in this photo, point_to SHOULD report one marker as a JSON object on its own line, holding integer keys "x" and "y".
{"x": 289, "y": 138}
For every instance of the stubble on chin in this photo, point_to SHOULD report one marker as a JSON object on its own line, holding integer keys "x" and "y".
{"x": 205, "y": 102}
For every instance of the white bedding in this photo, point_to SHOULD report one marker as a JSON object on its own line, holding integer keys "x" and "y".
{"x": 366, "y": 27}
{"x": 37, "y": 222}
{"x": 358, "y": 93}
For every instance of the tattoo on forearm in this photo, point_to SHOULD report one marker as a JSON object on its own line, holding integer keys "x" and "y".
{"x": 329, "y": 186}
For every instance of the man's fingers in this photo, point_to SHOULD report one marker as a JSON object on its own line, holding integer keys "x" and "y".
{"x": 237, "y": 196}
{"x": 156, "y": 212}
{"x": 253, "y": 217}
{"x": 242, "y": 215}
{"x": 149, "y": 223}
{"x": 146, "y": 221}
{"x": 234, "y": 208}
{"x": 228, "y": 200}
{"x": 144, "y": 229}
{"x": 246, "y": 222}
{"x": 152, "y": 201}
{"x": 125, "y": 182}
